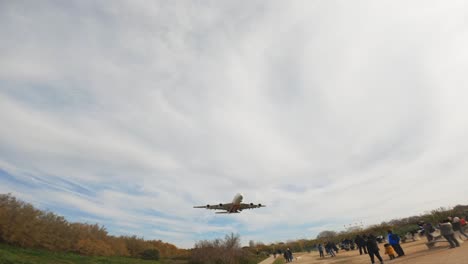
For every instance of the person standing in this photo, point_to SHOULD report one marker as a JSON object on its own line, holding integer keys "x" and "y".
{"x": 290, "y": 255}
{"x": 446, "y": 231}
{"x": 361, "y": 244}
{"x": 320, "y": 249}
{"x": 394, "y": 240}
{"x": 286, "y": 256}
{"x": 373, "y": 249}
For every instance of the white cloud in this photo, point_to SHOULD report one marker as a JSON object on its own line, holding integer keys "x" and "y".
{"x": 328, "y": 112}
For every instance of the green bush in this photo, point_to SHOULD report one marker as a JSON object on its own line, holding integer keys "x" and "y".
{"x": 150, "y": 254}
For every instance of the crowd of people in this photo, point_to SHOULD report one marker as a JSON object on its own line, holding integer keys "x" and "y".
{"x": 287, "y": 254}
{"x": 452, "y": 229}
{"x": 366, "y": 244}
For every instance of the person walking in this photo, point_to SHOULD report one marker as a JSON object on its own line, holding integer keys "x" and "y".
{"x": 334, "y": 247}
{"x": 286, "y": 256}
{"x": 320, "y": 249}
{"x": 373, "y": 249}
{"x": 361, "y": 244}
{"x": 329, "y": 248}
{"x": 457, "y": 228}
{"x": 389, "y": 251}
{"x": 290, "y": 255}
{"x": 446, "y": 231}
{"x": 394, "y": 240}
{"x": 428, "y": 230}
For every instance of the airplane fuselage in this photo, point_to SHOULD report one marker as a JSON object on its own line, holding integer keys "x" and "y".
{"x": 236, "y": 203}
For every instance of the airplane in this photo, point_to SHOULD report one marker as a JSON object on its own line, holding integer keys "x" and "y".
{"x": 234, "y": 207}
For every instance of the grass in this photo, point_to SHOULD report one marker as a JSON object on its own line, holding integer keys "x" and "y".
{"x": 15, "y": 255}
{"x": 258, "y": 259}
{"x": 279, "y": 260}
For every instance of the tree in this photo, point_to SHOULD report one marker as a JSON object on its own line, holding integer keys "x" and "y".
{"x": 327, "y": 234}
{"x": 219, "y": 251}
{"x": 93, "y": 247}
{"x": 23, "y": 225}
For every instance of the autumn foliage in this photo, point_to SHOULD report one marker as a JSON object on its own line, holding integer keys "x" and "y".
{"x": 23, "y": 225}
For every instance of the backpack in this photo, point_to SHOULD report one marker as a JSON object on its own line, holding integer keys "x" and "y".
{"x": 462, "y": 222}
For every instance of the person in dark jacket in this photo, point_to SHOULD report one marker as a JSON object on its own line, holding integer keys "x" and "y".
{"x": 361, "y": 244}
{"x": 290, "y": 255}
{"x": 286, "y": 255}
{"x": 428, "y": 230}
{"x": 329, "y": 248}
{"x": 446, "y": 231}
{"x": 335, "y": 248}
{"x": 373, "y": 249}
{"x": 320, "y": 249}
{"x": 394, "y": 240}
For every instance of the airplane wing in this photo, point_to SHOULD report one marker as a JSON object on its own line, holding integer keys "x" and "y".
{"x": 220, "y": 206}
{"x": 250, "y": 206}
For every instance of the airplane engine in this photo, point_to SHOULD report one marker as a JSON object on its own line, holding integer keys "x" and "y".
{"x": 207, "y": 206}
{"x": 260, "y": 205}
{"x": 220, "y": 204}
{"x": 251, "y": 204}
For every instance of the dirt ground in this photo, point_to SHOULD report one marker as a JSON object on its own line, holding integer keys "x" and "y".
{"x": 415, "y": 253}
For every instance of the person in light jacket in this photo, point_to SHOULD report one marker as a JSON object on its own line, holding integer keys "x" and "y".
{"x": 446, "y": 231}
{"x": 456, "y": 225}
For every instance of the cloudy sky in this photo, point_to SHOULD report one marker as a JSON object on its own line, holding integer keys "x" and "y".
{"x": 128, "y": 113}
